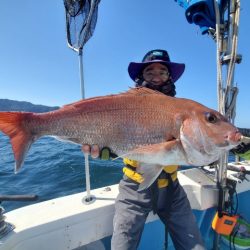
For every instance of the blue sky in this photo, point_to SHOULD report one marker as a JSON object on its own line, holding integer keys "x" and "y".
{"x": 37, "y": 66}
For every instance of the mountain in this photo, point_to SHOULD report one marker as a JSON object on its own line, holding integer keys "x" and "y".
{"x": 10, "y": 105}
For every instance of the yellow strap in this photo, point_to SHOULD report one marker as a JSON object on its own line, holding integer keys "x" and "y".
{"x": 164, "y": 182}
{"x": 133, "y": 175}
{"x": 170, "y": 168}
{"x": 139, "y": 179}
{"x": 132, "y": 163}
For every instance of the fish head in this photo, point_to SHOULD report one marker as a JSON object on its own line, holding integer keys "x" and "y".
{"x": 206, "y": 134}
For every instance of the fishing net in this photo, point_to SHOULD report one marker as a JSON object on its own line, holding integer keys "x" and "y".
{"x": 81, "y": 17}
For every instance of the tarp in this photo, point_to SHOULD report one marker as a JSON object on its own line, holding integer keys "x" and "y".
{"x": 201, "y": 12}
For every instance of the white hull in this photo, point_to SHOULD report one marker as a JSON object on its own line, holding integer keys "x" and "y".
{"x": 69, "y": 223}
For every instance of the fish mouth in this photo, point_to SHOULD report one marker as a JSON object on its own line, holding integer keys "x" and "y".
{"x": 231, "y": 140}
{"x": 206, "y": 151}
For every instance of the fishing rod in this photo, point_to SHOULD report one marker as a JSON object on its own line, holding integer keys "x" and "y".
{"x": 6, "y": 227}
{"x": 238, "y": 170}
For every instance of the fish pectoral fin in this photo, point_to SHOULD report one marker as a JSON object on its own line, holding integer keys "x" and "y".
{"x": 67, "y": 139}
{"x": 149, "y": 172}
{"x": 153, "y": 151}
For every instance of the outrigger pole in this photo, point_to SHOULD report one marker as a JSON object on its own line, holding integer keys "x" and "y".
{"x": 227, "y": 41}
{"x": 81, "y": 17}
{"x": 220, "y": 19}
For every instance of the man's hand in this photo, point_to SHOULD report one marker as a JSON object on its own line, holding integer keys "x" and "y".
{"x": 95, "y": 152}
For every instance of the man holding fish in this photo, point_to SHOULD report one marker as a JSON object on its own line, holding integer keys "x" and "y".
{"x": 165, "y": 196}
{"x": 154, "y": 132}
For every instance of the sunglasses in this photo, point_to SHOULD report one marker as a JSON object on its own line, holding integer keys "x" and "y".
{"x": 152, "y": 74}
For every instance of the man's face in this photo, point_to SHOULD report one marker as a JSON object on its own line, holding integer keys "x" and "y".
{"x": 156, "y": 74}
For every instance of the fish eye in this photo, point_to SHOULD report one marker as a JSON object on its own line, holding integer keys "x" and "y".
{"x": 212, "y": 118}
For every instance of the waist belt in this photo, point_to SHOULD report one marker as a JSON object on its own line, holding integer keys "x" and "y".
{"x": 163, "y": 180}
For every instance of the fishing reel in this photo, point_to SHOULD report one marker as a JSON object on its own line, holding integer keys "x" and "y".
{"x": 6, "y": 227}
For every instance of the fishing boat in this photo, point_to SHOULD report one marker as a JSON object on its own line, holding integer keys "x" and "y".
{"x": 72, "y": 222}
{"x": 85, "y": 220}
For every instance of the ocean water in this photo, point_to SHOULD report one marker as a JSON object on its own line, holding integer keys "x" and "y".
{"x": 51, "y": 169}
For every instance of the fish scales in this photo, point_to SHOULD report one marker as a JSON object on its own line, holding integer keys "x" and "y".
{"x": 134, "y": 115}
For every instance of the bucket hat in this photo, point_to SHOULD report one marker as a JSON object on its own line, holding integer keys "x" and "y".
{"x": 154, "y": 56}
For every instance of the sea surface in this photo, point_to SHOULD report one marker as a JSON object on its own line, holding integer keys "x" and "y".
{"x": 51, "y": 169}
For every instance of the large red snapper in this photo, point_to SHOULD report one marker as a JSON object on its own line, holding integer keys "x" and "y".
{"x": 141, "y": 124}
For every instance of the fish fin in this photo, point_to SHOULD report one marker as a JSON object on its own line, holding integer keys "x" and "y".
{"x": 11, "y": 123}
{"x": 66, "y": 139}
{"x": 149, "y": 173}
{"x": 156, "y": 153}
{"x": 138, "y": 91}
{"x": 142, "y": 91}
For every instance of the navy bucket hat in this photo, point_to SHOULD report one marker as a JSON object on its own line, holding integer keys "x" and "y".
{"x": 154, "y": 56}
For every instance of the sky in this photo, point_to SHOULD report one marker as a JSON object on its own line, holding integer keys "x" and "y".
{"x": 37, "y": 66}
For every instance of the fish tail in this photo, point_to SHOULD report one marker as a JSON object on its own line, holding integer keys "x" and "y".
{"x": 13, "y": 125}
